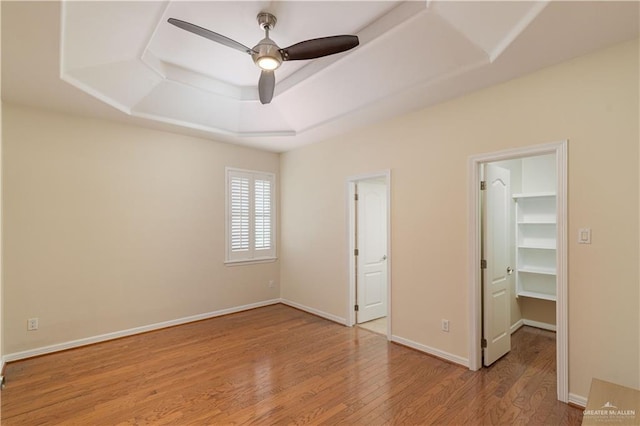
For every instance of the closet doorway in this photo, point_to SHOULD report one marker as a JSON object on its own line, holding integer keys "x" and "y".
{"x": 369, "y": 256}
{"x": 518, "y": 251}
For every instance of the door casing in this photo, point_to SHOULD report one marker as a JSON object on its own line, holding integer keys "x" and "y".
{"x": 351, "y": 221}
{"x": 475, "y": 300}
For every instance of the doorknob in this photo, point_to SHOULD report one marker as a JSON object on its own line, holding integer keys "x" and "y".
{"x": 384, "y": 257}
{"x": 509, "y": 270}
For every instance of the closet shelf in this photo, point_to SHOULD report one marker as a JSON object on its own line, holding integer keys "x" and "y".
{"x": 537, "y": 270}
{"x": 534, "y": 195}
{"x": 535, "y": 236}
{"x": 539, "y": 246}
{"x": 537, "y": 222}
{"x": 536, "y": 295}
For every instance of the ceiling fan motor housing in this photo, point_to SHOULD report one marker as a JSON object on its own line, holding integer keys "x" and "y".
{"x": 267, "y": 54}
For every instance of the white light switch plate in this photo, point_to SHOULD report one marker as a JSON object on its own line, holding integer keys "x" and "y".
{"x": 584, "y": 236}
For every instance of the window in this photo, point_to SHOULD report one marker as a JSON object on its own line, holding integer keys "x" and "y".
{"x": 250, "y": 216}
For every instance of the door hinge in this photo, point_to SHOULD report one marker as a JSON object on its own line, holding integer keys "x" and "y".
{"x": 483, "y": 185}
{"x": 356, "y": 308}
{"x": 355, "y": 196}
{"x": 483, "y": 343}
{"x": 356, "y": 252}
{"x": 483, "y": 264}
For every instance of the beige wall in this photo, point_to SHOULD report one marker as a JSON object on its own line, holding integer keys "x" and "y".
{"x": 538, "y": 310}
{"x": 110, "y": 227}
{"x": 592, "y": 101}
{"x": 1, "y": 244}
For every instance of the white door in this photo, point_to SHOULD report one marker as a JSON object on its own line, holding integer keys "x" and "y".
{"x": 496, "y": 277}
{"x": 371, "y": 242}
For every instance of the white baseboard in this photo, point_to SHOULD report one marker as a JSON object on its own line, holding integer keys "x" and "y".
{"x": 129, "y": 332}
{"x": 577, "y": 400}
{"x": 1, "y": 373}
{"x": 542, "y": 325}
{"x": 517, "y": 326}
{"x": 406, "y": 342}
{"x": 325, "y": 315}
{"x": 537, "y": 324}
{"x": 431, "y": 351}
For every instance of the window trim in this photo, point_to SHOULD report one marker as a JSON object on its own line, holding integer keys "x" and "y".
{"x": 251, "y": 257}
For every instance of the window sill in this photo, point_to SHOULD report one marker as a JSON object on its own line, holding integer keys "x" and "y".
{"x": 250, "y": 261}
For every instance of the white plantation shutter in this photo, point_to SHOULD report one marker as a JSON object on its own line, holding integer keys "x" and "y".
{"x": 239, "y": 194}
{"x": 250, "y": 215}
{"x": 262, "y": 210}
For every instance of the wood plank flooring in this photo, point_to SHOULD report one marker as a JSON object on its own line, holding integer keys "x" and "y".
{"x": 278, "y": 365}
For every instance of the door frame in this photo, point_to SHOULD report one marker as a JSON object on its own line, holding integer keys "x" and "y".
{"x": 475, "y": 299}
{"x": 351, "y": 243}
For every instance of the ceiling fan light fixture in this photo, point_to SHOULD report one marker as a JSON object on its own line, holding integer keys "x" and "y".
{"x": 268, "y": 63}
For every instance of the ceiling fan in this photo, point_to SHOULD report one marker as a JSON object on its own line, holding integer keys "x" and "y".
{"x": 268, "y": 55}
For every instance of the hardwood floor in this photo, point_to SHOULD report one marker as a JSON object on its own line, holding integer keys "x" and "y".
{"x": 278, "y": 365}
{"x": 377, "y": 326}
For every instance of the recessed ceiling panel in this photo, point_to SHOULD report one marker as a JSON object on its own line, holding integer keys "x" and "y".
{"x": 191, "y": 107}
{"x": 103, "y": 32}
{"x": 195, "y": 79}
{"x": 422, "y": 49}
{"x": 123, "y": 83}
{"x": 501, "y": 21}
{"x": 235, "y": 20}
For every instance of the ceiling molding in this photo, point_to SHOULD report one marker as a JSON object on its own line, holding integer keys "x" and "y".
{"x": 520, "y": 26}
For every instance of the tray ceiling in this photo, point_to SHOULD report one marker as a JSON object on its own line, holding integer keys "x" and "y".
{"x": 411, "y": 55}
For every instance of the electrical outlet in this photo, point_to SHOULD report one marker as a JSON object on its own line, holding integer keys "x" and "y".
{"x": 271, "y": 283}
{"x": 32, "y": 324}
{"x": 445, "y": 325}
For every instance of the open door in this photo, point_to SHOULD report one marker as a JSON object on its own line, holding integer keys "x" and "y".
{"x": 371, "y": 243}
{"x": 496, "y": 273}
{"x": 477, "y": 251}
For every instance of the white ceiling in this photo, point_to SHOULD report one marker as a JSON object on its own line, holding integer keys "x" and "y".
{"x": 122, "y": 61}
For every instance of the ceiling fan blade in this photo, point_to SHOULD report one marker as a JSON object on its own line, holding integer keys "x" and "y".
{"x": 266, "y": 86}
{"x": 203, "y": 32}
{"x": 318, "y": 47}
